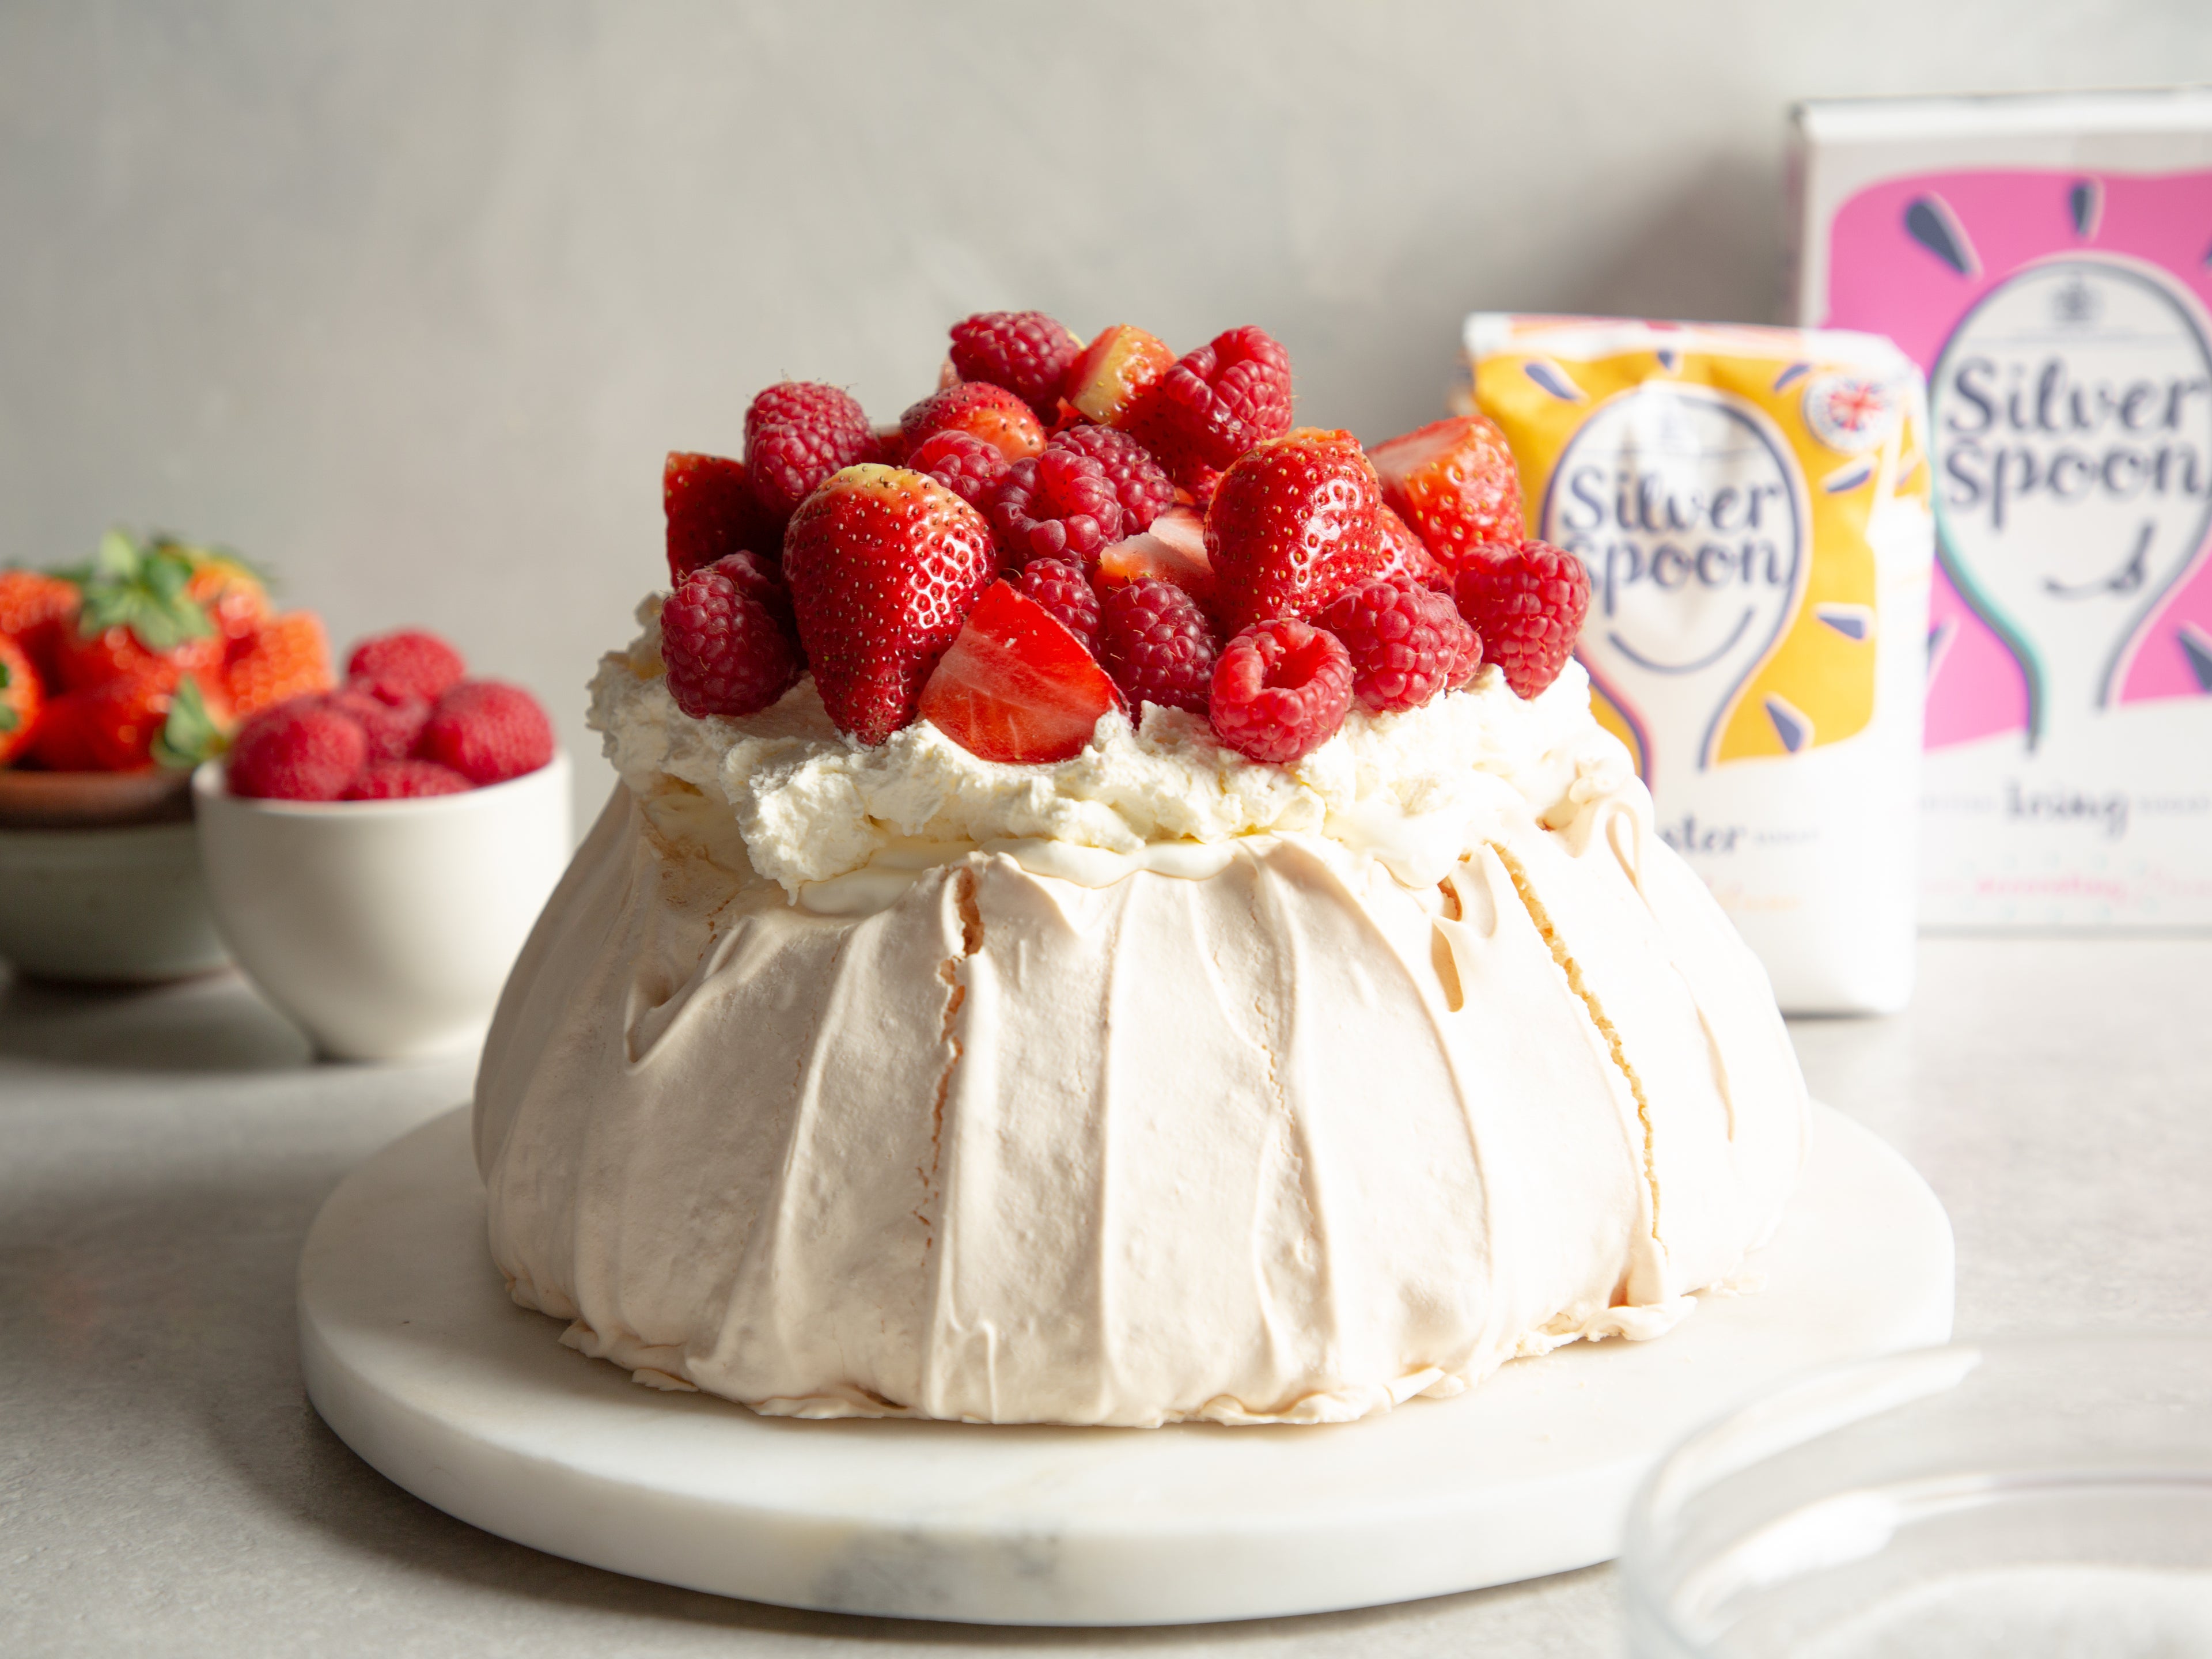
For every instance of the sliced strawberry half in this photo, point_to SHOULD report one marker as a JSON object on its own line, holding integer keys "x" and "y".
{"x": 1121, "y": 363}
{"x": 1017, "y": 685}
{"x": 1172, "y": 551}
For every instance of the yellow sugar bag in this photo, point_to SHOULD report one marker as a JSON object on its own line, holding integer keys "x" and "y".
{"x": 1751, "y": 506}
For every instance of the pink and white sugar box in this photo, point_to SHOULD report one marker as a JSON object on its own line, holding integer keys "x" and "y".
{"x": 2047, "y": 260}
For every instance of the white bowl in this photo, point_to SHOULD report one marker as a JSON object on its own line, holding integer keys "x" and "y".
{"x": 384, "y": 928}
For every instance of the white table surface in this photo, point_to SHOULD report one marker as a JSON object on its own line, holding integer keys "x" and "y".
{"x": 165, "y": 1488}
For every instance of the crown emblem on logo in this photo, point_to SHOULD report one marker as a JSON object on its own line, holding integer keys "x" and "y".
{"x": 2074, "y": 301}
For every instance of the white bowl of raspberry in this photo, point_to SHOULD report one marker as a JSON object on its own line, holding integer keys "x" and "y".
{"x": 377, "y": 855}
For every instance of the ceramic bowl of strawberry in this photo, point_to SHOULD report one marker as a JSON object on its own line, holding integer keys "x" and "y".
{"x": 117, "y": 676}
{"x": 376, "y": 855}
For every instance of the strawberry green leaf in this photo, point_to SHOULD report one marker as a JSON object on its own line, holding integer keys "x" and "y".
{"x": 190, "y": 734}
{"x": 143, "y": 588}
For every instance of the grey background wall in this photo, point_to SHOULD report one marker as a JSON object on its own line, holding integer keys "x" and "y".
{"x": 409, "y": 299}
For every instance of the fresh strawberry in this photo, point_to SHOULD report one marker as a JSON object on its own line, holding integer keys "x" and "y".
{"x": 1059, "y": 505}
{"x": 1404, "y": 554}
{"x": 488, "y": 731}
{"x": 1066, "y": 417}
{"x": 1024, "y": 351}
{"x": 297, "y": 750}
{"x": 406, "y": 663}
{"x": 35, "y": 608}
{"x": 85, "y": 662}
{"x": 1406, "y": 643}
{"x": 404, "y": 779}
{"x": 797, "y": 434}
{"x": 158, "y": 715}
{"x": 1016, "y": 686}
{"x": 1113, "y": 369}
{"x": 726, "y": 653}
{"x": 1293, "y": 525}
{"x": 1527, "y": 601}
{"x": 1059, "y": 587}
{"x": 230, "y": 591}
{"x": 969, "y": 466}
{"x": 982, "y": 410}
{"x": 883, "y": 565}
{"x": 1215, "y": 403}
{"x": 711, "y": 513}
{"x": 1172, "y": 551}
{"x": 391, "y": 728}
{"x": 1280, "y": 691}
{"x": 136, "y": 612}
{"x": 287, "y": 656}
{"x": 1454, "y": 482}
{"x": 21, "y": 697}
{"x": 1140, "y": 484}
{"x": 1158, "y": 645}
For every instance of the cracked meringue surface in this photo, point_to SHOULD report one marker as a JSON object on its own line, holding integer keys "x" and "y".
{"x": 1156, "y": 1086}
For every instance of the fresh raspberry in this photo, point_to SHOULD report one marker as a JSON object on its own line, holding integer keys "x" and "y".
{"x": 969, "y": 466}
{"x": 488, "y": 731}
{"x": 1280, "y": 691}
{"x": 1404, "y": 554}
{"x": 1143, "y": 488}
{"x": 410, "y": 663}
{"x": 726, "y": 653}
{"x": 982, "y": 410}
{"x": 297, "y": 750}
{"x": 712, "y": 514}
{"x": 1405, "y": 643}
{"x": 761, "y": 581}
{"x": 1455, "y": 483}
{"x": 1059, "y": 505}
{"x": 1527, "y": 603}
{"x": 1024, "y": 351}
{"x": 1059, "y": 587}
{"x": 1201, "y": 486}
{"x": 1115, "y": 370}
{"x": 390, "y": 727}
{"x": 797, "y": 434}
{"x": 405, "y": 779}
{"x": 804, "y": 403}
{"x": 1216, "y": 403}
{"x": 1292, "y": 526}
{"x": 285, "y": 657}
{"x": 1159, "y": 645}
{"x": 884, "y": 565}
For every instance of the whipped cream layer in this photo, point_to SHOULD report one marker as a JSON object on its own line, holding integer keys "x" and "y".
{"x": 812, "y": 804}
{"x": 1153, "y": 1086}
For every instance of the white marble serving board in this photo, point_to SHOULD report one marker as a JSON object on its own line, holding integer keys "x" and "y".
{"x": 414, "y": 1354}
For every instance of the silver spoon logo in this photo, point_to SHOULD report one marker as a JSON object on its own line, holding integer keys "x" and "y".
{"x": 2073, "y": 413}
{"x": 1689, "y": 510}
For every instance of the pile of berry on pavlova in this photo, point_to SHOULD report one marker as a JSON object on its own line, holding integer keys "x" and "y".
{"x": 1117, "y": 910}
{"x": 1063, "y": 533}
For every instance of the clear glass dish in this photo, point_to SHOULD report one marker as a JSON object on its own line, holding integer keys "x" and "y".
{"x": 2022, "y": 1497}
